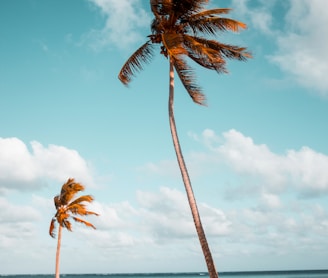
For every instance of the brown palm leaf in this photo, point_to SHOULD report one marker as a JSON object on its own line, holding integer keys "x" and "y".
{"x": 81, "y": 199}
{"x": 52, "y": 228}
{"x": 83, "y": 222}
{"x": 187, "y": 77}
{"x": 184, "y": 8}
{"x": 67, "y": 224}
{"x": 206, "y": 56}
{"x": 226, "y": 50}
{"x": 80, "y": 209}
{"x": 135, "y": 62}
{"x": 69, "y": 190}
{"x": 57, "y": 201}
{"x": 205, "y": 22}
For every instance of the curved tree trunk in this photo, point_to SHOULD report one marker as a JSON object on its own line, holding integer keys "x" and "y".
{"x": 186, "y": 180}
{"x": 58, "y": 250}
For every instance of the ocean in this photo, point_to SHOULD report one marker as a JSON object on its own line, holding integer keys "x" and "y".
{"x": 248, "y": 274}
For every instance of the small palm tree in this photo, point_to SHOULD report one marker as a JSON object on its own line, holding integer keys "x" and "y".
{"x": 68, "y": 208}
{"x": 179, "y": 27}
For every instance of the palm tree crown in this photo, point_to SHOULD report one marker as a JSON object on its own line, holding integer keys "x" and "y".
{"x": 182, "y": 28}
{"x": 68, "y": 208}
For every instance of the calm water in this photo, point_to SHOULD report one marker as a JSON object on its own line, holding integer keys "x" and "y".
{"x": 257, "y": 274}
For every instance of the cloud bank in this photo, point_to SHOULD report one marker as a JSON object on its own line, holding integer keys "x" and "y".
{"x": 262, "y": 214}
{"x": 24, "y": 168}
{"x": 303, "y": 170}
{"x": 301, "y": 39}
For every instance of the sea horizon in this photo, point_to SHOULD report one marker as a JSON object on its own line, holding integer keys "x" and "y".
{"x": 248, "y": 273}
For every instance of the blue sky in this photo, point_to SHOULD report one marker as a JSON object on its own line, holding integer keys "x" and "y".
{"x": 257, "y": 155}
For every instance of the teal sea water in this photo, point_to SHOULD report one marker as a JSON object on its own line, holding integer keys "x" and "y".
{"x": 248, "y": 274}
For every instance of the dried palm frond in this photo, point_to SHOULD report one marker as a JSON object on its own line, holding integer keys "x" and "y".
{"x": 187, "y": 77}
{"x": 81, "y": 199}
{"x": 69, "y": 190}
{"x": 225, "y": 50}
{"x": 84, "y": 222}
{"x": 52, "y": 227}
{"x": 135, "y": 62}
{"x": 57, "y": 201}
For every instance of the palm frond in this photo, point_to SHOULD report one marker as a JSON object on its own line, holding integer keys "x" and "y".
{"x": 84, "y": 222}
{"x": 67, "y": 225}
{"x": 173, "y": 44}
{"x": 69, "y": 190}
{"x": 185, "y": 8}
{"x": 88, "y": 212}
{"x": 203, "y": 55}
{"x": 154, "y": 7}
{"x": 77, "y": 208}
{"x": 57, "y": 201}
{"x": 62, "y": 216}
{"x": 134, "y": 63}
{"x": 52, "y": 228}
{"x": 175, "y": 48}
{"x": 176, "y": 8}
{"x": 225, "y": 50}
{"x": 211, "y": 12}
{"x": 209, "y": 24}
{"x": 161, "y": 7}
{"x": 81, "y": 199}
{"x": 188, "y": 79}
{"x": 80, "y": 209}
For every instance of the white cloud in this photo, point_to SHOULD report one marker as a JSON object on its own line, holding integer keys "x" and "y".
{"x": 158, "y": 218}
{"x": 172, "y": 224}
{"x": 10, "y": 213}
{"x": 16, "y": 223}
{"x": 259, "y": 17}
{"x": 257, "y": 168}
{"x": 302, "y": 49}
{"x": 271, "y": 201}
{"x": 124, "y": 18}
{"x": 304, "y": 170}
{"x": 301, "y": 38}
{"x": 113, "y": 216}
{"x": 23, "y": 169}
{"x": 158, "y": 225}
{"x": 167, "y": 215}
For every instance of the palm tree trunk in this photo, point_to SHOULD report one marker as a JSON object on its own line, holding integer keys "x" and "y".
{"x": 58, "y": 250}
{"x": 186, "y": 180}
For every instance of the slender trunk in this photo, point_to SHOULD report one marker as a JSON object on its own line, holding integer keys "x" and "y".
{"x": 58, "y": 250}
{"x": 186, "y": 180}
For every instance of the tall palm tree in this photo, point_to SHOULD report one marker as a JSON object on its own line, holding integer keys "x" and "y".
{"x": 67, "y": 207}
{"x": 182, "y": 29}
